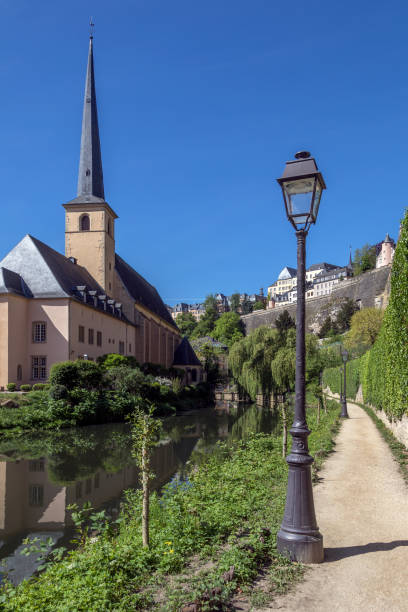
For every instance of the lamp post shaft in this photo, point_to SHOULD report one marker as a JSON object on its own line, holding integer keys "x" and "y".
{"x": 299, "y": 537}
{"x": 344, "y": 413}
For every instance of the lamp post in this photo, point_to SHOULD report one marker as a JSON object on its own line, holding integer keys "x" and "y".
{"x": 344, "y": 413}
{"x": 341, "y": 383}
{"x": 299, "y": 537}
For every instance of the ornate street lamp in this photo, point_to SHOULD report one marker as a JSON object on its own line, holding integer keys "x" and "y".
{"x": 344, "y": 413}
{"x": 299, "y": 537}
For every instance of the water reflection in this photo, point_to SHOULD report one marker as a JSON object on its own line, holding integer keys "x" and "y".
{"x": 41, "y": 475}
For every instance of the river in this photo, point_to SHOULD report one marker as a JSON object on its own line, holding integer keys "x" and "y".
{"x": 42, "y": 474}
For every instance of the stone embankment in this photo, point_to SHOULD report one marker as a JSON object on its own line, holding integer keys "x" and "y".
{"x": 368, "y": 290}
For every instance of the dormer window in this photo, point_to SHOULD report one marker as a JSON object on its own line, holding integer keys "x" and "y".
{"x": 84, "y": 223}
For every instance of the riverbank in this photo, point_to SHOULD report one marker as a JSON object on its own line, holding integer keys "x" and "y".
{"x": 210, "y": 535}
{"x": 85, "y": 393}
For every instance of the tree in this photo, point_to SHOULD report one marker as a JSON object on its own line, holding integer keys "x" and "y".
{"x": 235, "y": 302}
{"x": 208, "y": 356}
{"x": 364, "y": 259}
{"x": 206, "y": 324}
{"x": 186, "y": 323}
{"x": 259, "y": 306}
{"x": 145, "y": 430}
{"x": 325, "y": 328}
{"x": 343, "y": 319}
{"x": 250, "y": 360}
{"x": 364, "y": 328}
{"x": 228, "y": 328}
{"x": 284, "y": 322}
{"x": 246, "y": 306}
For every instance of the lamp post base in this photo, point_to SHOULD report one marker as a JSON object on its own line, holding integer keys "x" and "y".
{"x": 300, "y": 547}
{"x": 344, "y": 413}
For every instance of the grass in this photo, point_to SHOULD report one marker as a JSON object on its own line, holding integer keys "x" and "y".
{"x": 210, "y": 537}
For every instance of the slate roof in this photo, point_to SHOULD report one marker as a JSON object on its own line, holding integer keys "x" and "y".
{"x": 287, "y": 272}
{"x": 10, "y": 282}
{"x": 323, "y": 265}
{"x": 141, "y": 291}
{"x": 184, "y": 355}
{"x": 34, "y": 269}
{"x": 45, "y": 272}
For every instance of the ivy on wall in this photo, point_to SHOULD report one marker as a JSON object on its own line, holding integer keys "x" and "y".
{"x": 383, "y": 371}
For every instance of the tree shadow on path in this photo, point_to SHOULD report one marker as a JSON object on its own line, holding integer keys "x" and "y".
{"x": 335, "y": 554}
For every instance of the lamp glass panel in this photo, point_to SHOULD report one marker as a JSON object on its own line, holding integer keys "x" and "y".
{"x": 299, "y": 197}
{"x": 316, "y": 202}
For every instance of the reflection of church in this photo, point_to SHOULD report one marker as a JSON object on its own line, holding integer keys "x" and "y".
{"x": 87, "y": 303}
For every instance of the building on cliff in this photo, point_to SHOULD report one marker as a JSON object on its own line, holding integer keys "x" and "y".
{"x": 384, "y": 252}
{"x": 88, "y": 302}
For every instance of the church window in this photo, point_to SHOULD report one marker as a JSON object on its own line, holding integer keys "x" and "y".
{"x": 121, "y": 347}
{"x": 38, "y": 368}
{"x": 39, "y": 331}
{"x": 85, "y": 223}
{"x": 88, "y": 172}
{"x": 90, "y": 336}
{"x": 81, "y": 333}
{"x": 19, "y": 372}
{"x": 109, "y": 227}
{"x": 99, "y": 338}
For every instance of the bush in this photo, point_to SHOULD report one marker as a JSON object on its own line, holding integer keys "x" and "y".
{"x": 64, "y": 373}
{"x": 58, "y": 392}
{"x": 39, "y": 386}
{"x": 11, "y": 386}
{"x": 25, "y": 387}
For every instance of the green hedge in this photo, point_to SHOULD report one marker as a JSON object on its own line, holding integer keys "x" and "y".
{"x": 331, "y": 378}
{"x": 383, "y": 371}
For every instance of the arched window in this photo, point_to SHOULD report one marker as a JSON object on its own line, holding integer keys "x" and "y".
{"x": 19, "y": 372}
{"x": 84, "y": 223}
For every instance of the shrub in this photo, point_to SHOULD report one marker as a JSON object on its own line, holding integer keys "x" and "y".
{"x": 11, "y": 386}
{"x": 64, "y": 373}
{"x": 58, "y": 392}
{"x": 25, "y": 387}
{"x": 39, "y": 386}
{"x": 112, "y": 360}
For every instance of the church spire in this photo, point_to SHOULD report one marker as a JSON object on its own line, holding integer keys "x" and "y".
{"x": 90, "y": 177}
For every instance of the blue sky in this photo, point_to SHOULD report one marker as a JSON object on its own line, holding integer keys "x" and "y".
{"x": 200, "y": 105}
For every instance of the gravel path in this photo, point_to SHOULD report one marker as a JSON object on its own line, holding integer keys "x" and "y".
{"x": 362, "y": 512}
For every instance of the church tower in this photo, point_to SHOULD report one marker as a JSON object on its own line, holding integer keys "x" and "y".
{"x": 89, "y": 220}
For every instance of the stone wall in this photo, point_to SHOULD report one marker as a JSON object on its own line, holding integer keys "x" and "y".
{"x": 369, "y": 289}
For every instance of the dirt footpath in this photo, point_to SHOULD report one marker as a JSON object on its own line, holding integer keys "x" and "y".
{"x": 362, "y": 512}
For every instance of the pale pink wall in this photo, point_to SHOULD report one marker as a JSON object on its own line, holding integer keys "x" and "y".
{"x": 55, "y": 314}
{"x": 113, "y": 331}
{"x": 17, "y": 345}
{"x": 3, "y": 340}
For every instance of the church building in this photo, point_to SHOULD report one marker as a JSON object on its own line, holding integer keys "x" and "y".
{"x": 87, "y": 303}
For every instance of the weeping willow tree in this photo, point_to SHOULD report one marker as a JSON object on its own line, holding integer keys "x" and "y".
{"x": 250, "y": 361}
{"x": 283, "y": 369}
{"x": 264, "y": 361}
